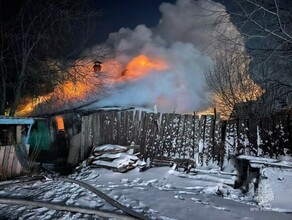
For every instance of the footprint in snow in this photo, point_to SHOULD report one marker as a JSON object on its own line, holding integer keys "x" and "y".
{"x": 200, "y": 201}
{"x": 179, "y": 197}
{"x": 221, "y": 208}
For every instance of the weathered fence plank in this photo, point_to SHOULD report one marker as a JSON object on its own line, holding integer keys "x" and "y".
{"x": 2, "y": 154}
{"x": 188, "y": 150}
{"x": 9, "y": 163}
{"x": 206, "y": 139}
{"x": 252, "y": 148}
{"x": 96, "y": 129}
{"x": 230, "y": 139}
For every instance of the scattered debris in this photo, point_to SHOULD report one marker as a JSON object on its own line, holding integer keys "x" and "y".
{"x": 115, "y": 157}
{"x": 185, "y": 165}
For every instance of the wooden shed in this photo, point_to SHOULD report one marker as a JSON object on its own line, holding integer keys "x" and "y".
{"x": 14, "y": 147}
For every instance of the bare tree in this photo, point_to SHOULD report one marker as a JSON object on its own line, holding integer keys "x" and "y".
{"x": 267, "y": 30}
{"x": 230, "y": 83}
{"x": 40, "y": 35}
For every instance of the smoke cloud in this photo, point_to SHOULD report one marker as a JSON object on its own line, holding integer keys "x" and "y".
{"x": 184, "y": 38}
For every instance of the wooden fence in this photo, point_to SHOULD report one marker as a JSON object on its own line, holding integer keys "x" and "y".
{"x": 9, "y": 164}
{"x": 206, "y": 139}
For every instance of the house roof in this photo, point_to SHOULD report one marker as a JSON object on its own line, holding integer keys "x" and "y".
{"x": 5, "y": 120}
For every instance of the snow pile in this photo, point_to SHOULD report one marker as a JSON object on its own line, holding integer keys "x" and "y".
{"x": 109, "y": 148}
{"x": 275, "y": 188}
{"x": 114, "y": 157}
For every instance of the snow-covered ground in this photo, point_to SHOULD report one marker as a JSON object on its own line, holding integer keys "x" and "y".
{"x": 159, "y": 193}
{"x": 275, "y": 188}
{"x": 156, "y": 192}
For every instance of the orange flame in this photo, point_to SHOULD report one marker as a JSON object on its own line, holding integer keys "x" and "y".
{"x": 60, "y": 123}
{"x": 142, "y": 65}
{"x": 86, "y": 82}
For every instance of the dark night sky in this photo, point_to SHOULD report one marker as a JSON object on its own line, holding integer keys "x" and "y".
{"x": 125, "y": 13}
{"x": 128, "y": 13}
{"x": 112, "y": 14}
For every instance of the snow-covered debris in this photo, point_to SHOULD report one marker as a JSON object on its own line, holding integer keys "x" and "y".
{"x": 259, "y": 162}
{"x": 109, "y": 148}
{"x": 114, "y": 157}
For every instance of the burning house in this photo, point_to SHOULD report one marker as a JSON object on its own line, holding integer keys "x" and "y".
{"x": 162, "y": 65}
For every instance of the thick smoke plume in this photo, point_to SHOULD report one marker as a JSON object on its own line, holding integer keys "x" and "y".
{"x": 184, "y": 39}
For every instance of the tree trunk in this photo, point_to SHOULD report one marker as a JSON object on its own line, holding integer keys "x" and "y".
{"x": 16, "y": 99}
{"x": 3, "y": 96}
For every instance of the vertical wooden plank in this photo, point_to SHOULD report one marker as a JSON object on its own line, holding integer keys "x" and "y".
{"x": 174, "y": 129}
{"x": 87, "y": 136}
{"x": 200, "y": 140}
{"x": 183, "y": 147}
{"x": 180, "y": 137}
{"x": 208, "y": 139}
{"x": 10, "y": 161}
{"x": 142, "y": 134}
{"x": 101, "y": 127}
{"x": 144, "y": 140}
{"x": 167, "y": 136}
{"x": 287, "y": 137}
{"x": 130, "y": 125}
{"x": 252, "y": 137}
{"x": 263, "y": 136}
{"x": 90, "y": 132}
{"x": 243, "y": 146}
{"x": 260, "y": 145}
{"x": 158, "y": 135}
{"x": 136, "y": 125}
{"x": 281, "y": 134}
{"x": 115, "y": 127}
{"x": 18, "y": 168}
{"x": 2, "y": 154}
{"x": 83, "y": 138}
{"x": 289, "y": 130}
{"x": 156, "y": 138}
{"x": 18, "y": 134}
{"x": 110, "y": 127}
{"x": 95, "y": 129}
{"x": 122, "y": 129}
{"x": 271, "y": 134}
{"x": 5, "y": 160}
{"x": 105, "y": 127}
{"x": 189, "y": 145}
{"x": 219, "y": 134}
{"x": 14, "y": 165}
{"x": 196, "y": 131}
{"x": 118, "y": 115}
{"x": 150, "y": 132}
{"x": 202, "y": 154}
{"x": 230, "y": 142}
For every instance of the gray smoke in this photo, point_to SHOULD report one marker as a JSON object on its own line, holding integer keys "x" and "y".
{"x": 184, "y": 38}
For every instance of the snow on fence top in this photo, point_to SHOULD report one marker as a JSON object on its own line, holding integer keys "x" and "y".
{"x": 206, "y": 139}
